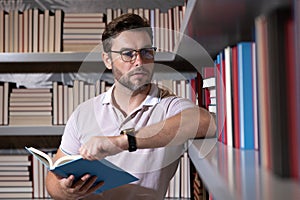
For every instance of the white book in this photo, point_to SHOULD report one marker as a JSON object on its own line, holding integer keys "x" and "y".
{"x": 15, "y": 184}
{"x": 26, "y": 30}
{"x": 65, "y": 102}
{"x": 51, "y": 34}
{"x": 15, "y": 163}
{"x": 2, "y": 26}
{"x": 15, "y": 30}
{"x": 70, "y": 101}
{"x": 30, "y": 30}
{"x": 209, "y": 82}
{"x": 228, "y": 99}
{"x": 58, "y": 31}
{"x": 15, "y": 178}
{"x": 6, "y": 33}
{"x": 35, "y": 33}
{"x": 86, "y": 92}
{"x": 46, "y": 30}
{"x": 1, "y": 104}
{"x": 21, "y": 33}
{"x": 60, "y": 104}
{"x": 75, "y": 93}
{"x": 14, "y": 173}
{"x": 98, "y": 31}
{"x": 16, "y": 195}
{"x": 14, "y": 158}
{"x": 15, "y": 189}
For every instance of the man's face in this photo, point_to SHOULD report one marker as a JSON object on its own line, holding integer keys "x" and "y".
{"x": 136, "y": 73}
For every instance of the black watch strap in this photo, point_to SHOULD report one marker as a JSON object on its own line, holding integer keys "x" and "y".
{"x": 131, "y": 139}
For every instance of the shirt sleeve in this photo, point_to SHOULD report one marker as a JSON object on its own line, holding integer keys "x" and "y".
{"x": 70, "y": 142}
{"x": 176, "y": 105}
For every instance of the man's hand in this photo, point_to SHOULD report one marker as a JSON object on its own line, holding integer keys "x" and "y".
{"x": 80, "y": 189}
{"x": 99, "y": 147}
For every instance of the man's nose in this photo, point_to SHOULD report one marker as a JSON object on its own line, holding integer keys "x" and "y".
{"x": 139, "y": 59}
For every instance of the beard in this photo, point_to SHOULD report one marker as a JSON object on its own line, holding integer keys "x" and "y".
{"x": 134, "y": 83}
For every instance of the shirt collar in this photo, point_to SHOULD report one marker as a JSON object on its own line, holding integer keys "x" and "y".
{"x": 152, "y": 98}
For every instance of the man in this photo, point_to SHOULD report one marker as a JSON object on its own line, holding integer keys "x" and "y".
{"x": 157, "y": 122}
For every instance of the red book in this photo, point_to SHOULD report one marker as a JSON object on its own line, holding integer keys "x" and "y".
{"x": 224, "y": 121}
{"x": 235, "y": 95}
{"x": 291, "y": 97}
{"x": 219, "y": 106}
{"x": 194, "y": 89}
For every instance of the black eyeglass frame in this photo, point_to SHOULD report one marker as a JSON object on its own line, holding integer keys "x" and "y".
{"x": 133, "y": 56}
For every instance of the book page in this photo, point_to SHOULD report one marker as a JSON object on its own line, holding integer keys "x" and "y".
{"x": 65, "y": 159}
{"x": 44, "y": 158}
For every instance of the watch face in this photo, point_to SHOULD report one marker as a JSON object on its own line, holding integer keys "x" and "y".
{"x": 129, "y": 131}
{"x": 131, "y": 138}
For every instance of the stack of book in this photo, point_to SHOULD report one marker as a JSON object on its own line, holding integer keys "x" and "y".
{"x": 209, "y": 89}
{"x": 15, "y": 177}
{"x": 32, "y": 106}
{"x": 82, "y": 31}
{"x": 67, "y": 97}
{"x": 31, "y": 30}
{"x": 166, "y": 24}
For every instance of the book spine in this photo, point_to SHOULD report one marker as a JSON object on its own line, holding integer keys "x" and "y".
{"x": 246, "y": 95}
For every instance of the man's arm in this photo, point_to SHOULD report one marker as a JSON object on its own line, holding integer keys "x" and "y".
{"x": 65, "y": 188}
{"x": 188, "y": 124}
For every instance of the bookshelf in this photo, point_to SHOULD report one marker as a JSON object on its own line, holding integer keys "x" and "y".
{"x": 227, "y": 172}
{"x": 230, "y": 173}
{"x": 31, "y": 130}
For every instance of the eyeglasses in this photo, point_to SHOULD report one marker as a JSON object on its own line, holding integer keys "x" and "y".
{"x": 130, "y": 55}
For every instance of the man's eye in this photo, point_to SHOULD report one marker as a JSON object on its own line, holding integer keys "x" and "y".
{"x": 128, "y": 53}
{"x": 147, "y": 52}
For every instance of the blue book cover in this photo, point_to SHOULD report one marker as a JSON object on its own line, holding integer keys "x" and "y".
{"x": 245, "y": 87}
{"x": 110, "y": 174}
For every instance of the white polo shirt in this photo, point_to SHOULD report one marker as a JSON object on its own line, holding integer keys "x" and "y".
{"x": 154, "y": 167}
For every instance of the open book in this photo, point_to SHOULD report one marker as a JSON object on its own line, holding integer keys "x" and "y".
{"x": 112, "y": 175}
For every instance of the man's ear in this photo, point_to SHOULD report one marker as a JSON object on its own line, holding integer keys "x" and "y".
{"x": 107, "y": 60}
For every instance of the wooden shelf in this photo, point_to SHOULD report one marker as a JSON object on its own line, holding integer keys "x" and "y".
{"x": 217, "y": 24}
{"x": 234, "y": 174}
{"x": 67, "y": 57}
{"x": 31, "y": 130}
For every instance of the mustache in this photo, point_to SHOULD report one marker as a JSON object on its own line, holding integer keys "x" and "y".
{"x": 140, "y": 69}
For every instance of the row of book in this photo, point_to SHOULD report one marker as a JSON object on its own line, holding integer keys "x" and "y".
{"x": 31, "y": 30}
{"x": 82, "y": 31}
{"x": 209, "y": 100}
{"x": 257, "y": 100}
{"x": 35, "y": 30}
{"x": 179, "y": 186}
{"x": 166, "y": 24}
{"x": 23, "y": 177}
{"x": 236, "y": 96}
{"x": 67, "y": 97}
{"x": 15, "y": 177}
{"x": 53, "y": 106}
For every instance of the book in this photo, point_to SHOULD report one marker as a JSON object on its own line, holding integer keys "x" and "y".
{"x": 235, "y": 99}
{"x": 106, "y": 171}
{"x": 245, "y": 90}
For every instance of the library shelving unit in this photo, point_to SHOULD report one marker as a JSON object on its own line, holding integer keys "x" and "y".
{"x": 227, "y": 172}
{"x": 234, "y": 174}
{"x": 65, "y": 62}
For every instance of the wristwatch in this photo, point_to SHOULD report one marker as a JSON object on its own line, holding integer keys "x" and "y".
{"x": 130, "y": 132}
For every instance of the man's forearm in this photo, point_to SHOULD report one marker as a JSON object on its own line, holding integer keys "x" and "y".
{"x": 190, "y": 123}
{"x": 53, "y": 187}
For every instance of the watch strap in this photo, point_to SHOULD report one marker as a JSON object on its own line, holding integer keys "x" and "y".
{"x": 131, "y": 138}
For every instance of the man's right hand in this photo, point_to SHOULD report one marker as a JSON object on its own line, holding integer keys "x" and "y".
{"x": 79, "y": 189}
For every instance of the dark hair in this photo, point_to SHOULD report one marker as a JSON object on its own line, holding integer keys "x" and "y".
{"x": 122, "y": 23}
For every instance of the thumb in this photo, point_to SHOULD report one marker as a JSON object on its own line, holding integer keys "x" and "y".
{"x": 68, "y": 182}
